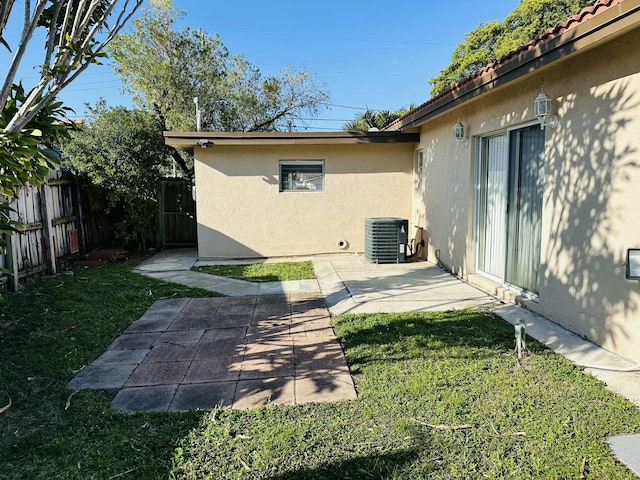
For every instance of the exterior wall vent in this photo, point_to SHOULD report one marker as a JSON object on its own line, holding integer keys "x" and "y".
{"x": 385, "y": 239}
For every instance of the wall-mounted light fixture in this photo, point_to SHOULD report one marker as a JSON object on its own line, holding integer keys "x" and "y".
{"x": 633, "y": 264}
{"x": 542, "y": 107}
{"x": 458, "y": 132}
{"x": 205, "y": 143}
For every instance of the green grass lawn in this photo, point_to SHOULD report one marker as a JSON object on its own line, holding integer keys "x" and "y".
{"x": 262, "y": 272}
{"x": 440, "y": 396}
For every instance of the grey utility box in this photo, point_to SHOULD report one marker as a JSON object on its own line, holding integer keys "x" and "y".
{"x": 385, "y": 239}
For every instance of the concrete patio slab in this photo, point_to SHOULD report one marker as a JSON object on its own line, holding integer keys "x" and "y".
{"x": 351, "y": 284}
{"x": 627, "y": 449}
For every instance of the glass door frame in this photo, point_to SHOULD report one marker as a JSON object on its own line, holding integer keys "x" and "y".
{"x": 477, "y": 207}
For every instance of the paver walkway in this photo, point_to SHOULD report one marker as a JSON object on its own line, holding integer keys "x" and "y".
{"x": 236, "y": 351}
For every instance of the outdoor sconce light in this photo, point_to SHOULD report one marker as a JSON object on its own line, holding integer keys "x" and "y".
{"x": 458, "y": 132}
{"x": 633, "y": 264}
{"x": 542, "y": 109}
{"x": 205, "y": 143}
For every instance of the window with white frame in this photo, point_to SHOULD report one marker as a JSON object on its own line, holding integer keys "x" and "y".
{"x": 301, "y": 175}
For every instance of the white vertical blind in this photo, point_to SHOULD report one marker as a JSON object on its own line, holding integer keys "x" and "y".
{"x": 494, "y": 183}
{"x": 525, "y": 215}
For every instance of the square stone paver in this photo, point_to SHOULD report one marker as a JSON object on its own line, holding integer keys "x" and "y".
{"x": 205, "y": 396}
{"x": 121, "y": 357}
{"x": 233, "y": 333}
{"x": 151, "y": 321}
{"x": 202, "y": 306}
{"x": 170, "y": 305}
{"x": 275, "y": 299}
{"x": 213, "y": 369}
{"x": 134, "y": 341}
{"x": 144, "y": 399}
{"x": 266, "y": 367}
{"x": 167, "y": 352}
{"x": 241, "y": 305}
{"x": 221, "y": 348}
{"x": 324, "y": 388}
{"x": 258, "y": 392}
{"x": 99, "y": 377}
{"x": 230, "y": 320}
{"x": 317, "y": 360}
{"x": 159, "y": 373}
{"x": 180, "y": 337}
{"x": 192, "y": 322}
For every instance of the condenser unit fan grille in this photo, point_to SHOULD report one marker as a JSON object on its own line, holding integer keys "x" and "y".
{"x": 385, "y": 239}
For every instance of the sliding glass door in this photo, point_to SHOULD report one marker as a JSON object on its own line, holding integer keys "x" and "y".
{"x": 494, "y": 175}
{"x": 509, "y": 206}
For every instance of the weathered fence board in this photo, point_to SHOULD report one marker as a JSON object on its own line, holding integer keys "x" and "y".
{"x": 63, "y": 220}
{"x": 48, "y": 216}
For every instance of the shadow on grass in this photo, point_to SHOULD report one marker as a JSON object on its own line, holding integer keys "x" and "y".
{"x": 89, "y": 439}
{"x": 371, "y": 466}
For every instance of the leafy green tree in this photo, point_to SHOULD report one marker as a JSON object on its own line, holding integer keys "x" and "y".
{"x": 75, "y": 33}
{"x": 492, "y": 40}
{"x": 122, "y": 151}
{"x": 375, "y": 119}
{"x": 166, "y": 69}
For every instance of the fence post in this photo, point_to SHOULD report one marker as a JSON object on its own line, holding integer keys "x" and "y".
{"x": 77, "y": 204}
{"x": 13, "y": 264}
{"x": 49, "y": 241}
{"x": 12, "y": 261}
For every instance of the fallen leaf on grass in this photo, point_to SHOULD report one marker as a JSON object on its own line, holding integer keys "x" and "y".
{"x": 68, "y": 404}
{"x": 508, "y": 434}
{"x": 244, "y": 465}
{"x": 583, "y": 469}
{"x": 6, "y": 407}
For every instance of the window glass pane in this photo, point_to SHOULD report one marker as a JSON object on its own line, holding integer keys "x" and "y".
{"x": 525, "y": 207}
{"x": 301, "y": 175}
{"x": 492, "y": 233}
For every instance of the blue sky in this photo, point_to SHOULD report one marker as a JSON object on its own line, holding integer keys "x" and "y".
{"x": 374, "y": 53}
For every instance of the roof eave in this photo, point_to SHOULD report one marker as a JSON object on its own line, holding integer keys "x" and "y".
{"x": 189, "y": 140}
{"x": 603, "y": 27}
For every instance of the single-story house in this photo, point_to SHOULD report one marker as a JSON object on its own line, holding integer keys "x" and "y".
{"x": 536, "y": 196}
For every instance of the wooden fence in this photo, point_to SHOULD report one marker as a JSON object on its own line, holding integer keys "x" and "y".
{"x": 63, "y": 220}
{"x": 51, "y": 229}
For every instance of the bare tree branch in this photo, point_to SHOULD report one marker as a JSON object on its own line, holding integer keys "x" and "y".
{"x": 28, "y": 28}
{"x": 74, "y": 41}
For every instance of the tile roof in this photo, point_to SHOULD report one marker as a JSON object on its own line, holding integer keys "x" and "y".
{"x": 573, "y": 21}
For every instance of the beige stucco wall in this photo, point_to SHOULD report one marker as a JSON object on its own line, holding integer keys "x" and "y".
{"x": 591, "y": 204}
{"x": 241, "y": 212}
